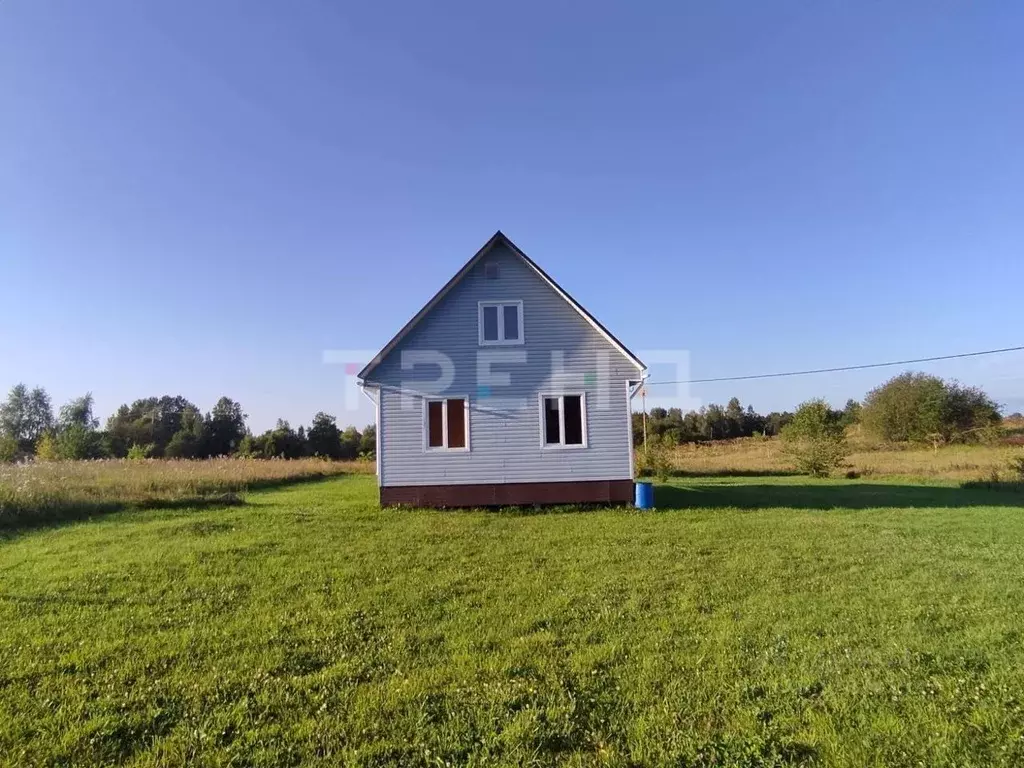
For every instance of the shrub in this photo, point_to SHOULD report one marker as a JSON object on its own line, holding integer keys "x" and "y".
{"x": 1017, "y": 466}
{"x": 655, "y": 460}
{"x": 814, "y": 439}
{"x": 46, "y": 448}
{"x": 138, "y": 452}
{"x": 922, "y": 408}
{"x": 246, "y": 447}
{"x": 79, "y": 442}
{"x": 8, "y": 449}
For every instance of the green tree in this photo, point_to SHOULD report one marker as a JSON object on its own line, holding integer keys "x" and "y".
{"x": 13, "y": 414}
{"x": 916, "y": 407}
{"x": 350, "y": 443}
{"x": 906, "y": 408}
{"x": 851, "y": 412}
{"x": 674, "y": 429}
{"x": 368, "y": 442}
{"x": 149, "y": 421}
{"x": 26, "y": 416}
{"x": 188, "y": 441}
{"x": 280, "y": 442}
{"x": 734, "y": 417}
{"x": 76, "y": 442}
{"x": 225, "y": 428}
{"x": 78, "y": 412}
{"x": 815, "y": 438}
{"x": 968, "y": 414}
{"x": 716, "y": 425}
{"x": 324, "y": 437}
{"x": 775, "y": 421}
{"x": 76, "y": 436}
{"x": 753, "y": 422}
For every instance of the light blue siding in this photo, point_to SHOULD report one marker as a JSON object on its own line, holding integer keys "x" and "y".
{"x": 505, "y": 417}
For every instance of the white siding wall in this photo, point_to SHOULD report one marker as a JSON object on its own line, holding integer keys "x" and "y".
{"x": 504, "y": 430}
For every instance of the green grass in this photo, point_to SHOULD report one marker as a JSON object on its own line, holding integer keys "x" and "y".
{"x": 746, "y": 626}
{"x": 41, "y": 493}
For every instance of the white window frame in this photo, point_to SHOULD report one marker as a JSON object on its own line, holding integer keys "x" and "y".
{"x": 561, "y": 446}
{"x": 443, "y": 448}
{"x": 501, "y": 340}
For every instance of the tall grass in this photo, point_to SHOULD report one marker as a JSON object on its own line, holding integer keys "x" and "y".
{"x": 754, "y": 456}
{"x": 45, "y": 491}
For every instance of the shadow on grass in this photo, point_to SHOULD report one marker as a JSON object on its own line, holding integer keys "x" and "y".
{"x": 853, "y": 495}
{"x": 731, "y": 473}
{"x": 19, "y": 519}
{"x": 1007, "y": 486}
{"x": 832, "y": 496}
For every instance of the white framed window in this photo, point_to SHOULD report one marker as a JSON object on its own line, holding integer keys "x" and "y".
{"x": 446, "y": 424}
{"x": 501, "y": 322}
{"x": 563, "y": 420}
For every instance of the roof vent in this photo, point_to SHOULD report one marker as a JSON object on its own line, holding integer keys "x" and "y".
{"x": 491, "y": 270}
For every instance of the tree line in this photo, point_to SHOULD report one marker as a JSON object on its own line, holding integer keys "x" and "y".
{"x": 163, "y": 427}
{"x": 911, "y": 407}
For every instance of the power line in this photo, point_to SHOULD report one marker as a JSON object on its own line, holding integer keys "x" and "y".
{"x": 839, "y": 368}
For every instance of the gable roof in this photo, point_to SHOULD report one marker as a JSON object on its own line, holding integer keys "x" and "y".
{"x": 496, "y": 239}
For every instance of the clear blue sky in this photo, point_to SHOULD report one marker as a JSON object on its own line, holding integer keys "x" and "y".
{"x": 202, "y": 197}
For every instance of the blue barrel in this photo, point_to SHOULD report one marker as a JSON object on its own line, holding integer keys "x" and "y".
{"x": 645, "y": 495}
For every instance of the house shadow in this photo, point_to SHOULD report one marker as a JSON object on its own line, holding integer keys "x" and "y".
{"x": 732, "y": 473}
{"x": 832, "y": 496}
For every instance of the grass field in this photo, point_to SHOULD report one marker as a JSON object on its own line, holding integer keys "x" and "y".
{"x": 753, "y": 457}
{"x": 741, "y": 624}
{"x": 44, "y": 492}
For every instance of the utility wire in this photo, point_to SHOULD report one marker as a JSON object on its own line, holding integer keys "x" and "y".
{"x": 839, "y": 368}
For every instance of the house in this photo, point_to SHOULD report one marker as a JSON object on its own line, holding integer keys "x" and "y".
{"x": 503, "y": 390}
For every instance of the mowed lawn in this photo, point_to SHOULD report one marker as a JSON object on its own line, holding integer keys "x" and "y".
{"x": 857, "y": 624}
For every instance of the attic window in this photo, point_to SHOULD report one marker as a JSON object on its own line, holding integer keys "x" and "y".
{"x": 500, "y": 322}
{"x": 491, "y": 271}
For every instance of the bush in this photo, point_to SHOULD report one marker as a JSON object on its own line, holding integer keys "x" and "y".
{"x": 1017, "y": 466}
{"x": 656, "y": 459}
{"x": 815, "y": 439}
{"x": 138, "y": 452}
{"x": 8, "y": 449}
{"x": 79, "y": 442}
{"x": 915, "y": 407}
{"x": 247, "y": 448}
{"x": 46, "y": 448}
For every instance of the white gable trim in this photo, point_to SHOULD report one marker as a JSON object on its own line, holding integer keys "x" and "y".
{"x": 498, "y": 237}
